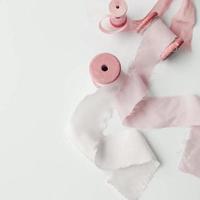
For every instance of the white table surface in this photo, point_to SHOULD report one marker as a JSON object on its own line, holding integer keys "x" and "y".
{"x": 45, "y": 48}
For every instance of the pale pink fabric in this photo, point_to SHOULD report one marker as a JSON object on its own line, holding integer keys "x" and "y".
{"x": 138, "y": 110}
{"x": 127, "y": 156}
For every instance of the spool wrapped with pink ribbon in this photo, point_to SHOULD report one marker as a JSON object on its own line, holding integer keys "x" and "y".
{"x": 127, "y": 156}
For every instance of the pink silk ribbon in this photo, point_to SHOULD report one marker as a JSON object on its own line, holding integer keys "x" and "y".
{"x": 131, "y": 168}
{"x": 140, "y": 111}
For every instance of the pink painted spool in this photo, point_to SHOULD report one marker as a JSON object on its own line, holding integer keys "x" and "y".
{"x": 105, "y": 69}
{"x": 172, "y": 48}
{"x": 118, "y": 9}
{"x": 146, "y": 21}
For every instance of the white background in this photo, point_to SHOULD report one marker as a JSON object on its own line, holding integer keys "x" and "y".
{"x": 45, "y": 48}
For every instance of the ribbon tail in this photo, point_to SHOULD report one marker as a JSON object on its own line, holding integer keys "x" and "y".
{"x": 130, "y": 160}
{"x": 131, "y": 182}
{"x": 190, "y": 161}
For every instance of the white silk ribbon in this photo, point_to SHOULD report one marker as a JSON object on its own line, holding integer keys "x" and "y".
{"x": 126, "y": 155}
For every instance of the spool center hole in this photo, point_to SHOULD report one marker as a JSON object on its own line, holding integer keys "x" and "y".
{"x": 117, "y": 6}
{"x": 104, "y": 68}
